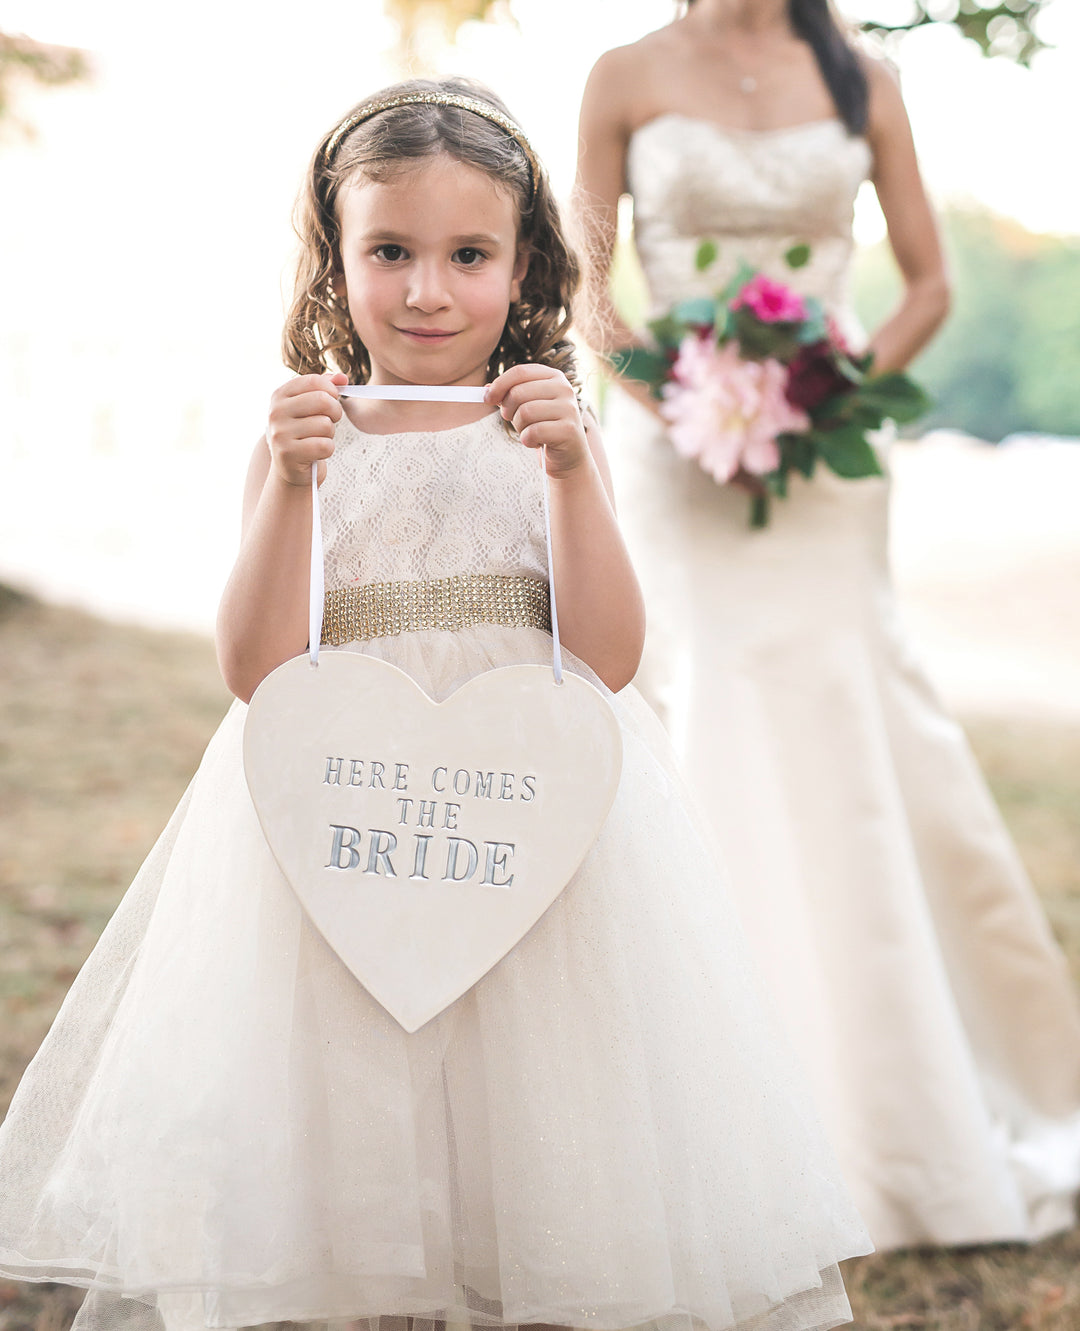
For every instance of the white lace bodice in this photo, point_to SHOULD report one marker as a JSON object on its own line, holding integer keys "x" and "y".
{"x": 756, "y": 193}
{"x": 419, "y": 506}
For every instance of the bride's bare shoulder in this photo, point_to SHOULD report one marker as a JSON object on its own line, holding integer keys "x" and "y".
{"x": 887, "y": 113}
{"x": 625, "y": 71}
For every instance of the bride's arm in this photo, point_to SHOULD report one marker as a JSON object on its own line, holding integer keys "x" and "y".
{"x": 913, "y": 229}
{"x": 603, "y": 138}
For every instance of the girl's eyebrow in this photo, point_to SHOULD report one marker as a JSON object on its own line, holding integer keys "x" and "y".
{"x": 402, "y": 238}
{"x": 478, "y": 238}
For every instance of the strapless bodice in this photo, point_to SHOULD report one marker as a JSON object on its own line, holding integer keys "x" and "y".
{"x": 756, "y": 193}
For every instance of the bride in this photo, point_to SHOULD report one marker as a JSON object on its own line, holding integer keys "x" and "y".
{"x": 891, "y": 917}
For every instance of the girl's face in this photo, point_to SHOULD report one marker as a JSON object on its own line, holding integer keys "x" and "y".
{"x": 430, "y": 266}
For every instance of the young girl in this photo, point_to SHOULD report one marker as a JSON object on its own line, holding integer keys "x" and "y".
{"x": 223, "y": 1128}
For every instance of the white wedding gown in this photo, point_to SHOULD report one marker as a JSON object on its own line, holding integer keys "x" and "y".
{"x": 899, "y": 935}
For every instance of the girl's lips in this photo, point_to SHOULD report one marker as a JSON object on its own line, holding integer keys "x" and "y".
{"x": 428, "y": 334}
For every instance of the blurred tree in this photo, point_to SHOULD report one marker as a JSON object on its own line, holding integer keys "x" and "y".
{"x": 22, "y": 58}
{"x": 1000, "y": 29}
{"x": 423, "y": 22}
{"x": 1008, "y": 359}
{"x": 450, "y": 14}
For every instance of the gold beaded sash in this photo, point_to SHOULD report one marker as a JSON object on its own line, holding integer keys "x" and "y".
{"x": 383, "y": 609}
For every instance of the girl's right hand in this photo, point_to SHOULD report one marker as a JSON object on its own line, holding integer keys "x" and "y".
{"x": 303, "y": 414}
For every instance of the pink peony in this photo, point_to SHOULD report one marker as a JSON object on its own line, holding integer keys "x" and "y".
{"x": 725, "y": 411}
{"x": 772, "y": 302}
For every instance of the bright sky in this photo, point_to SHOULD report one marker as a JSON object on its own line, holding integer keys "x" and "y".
{"x": 985, "y": 128}
{"x": 145, "y": 235}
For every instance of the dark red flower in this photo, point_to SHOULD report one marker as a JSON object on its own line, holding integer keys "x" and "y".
{"x": 813, "y": 377}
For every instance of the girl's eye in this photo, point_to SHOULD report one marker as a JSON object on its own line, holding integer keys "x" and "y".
{"x": 391, "y": 253}
{"x": 468, "y": 257}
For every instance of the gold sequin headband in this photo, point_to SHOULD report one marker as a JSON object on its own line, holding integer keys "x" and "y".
{"x": 472, "y": 104}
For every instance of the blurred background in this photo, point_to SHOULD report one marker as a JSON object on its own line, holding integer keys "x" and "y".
{"x": 149, "y": 157}
{"x": 146, "y": 246}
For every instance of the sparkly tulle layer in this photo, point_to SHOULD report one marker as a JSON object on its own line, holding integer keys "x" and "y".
{"x": 223, "y": 1128}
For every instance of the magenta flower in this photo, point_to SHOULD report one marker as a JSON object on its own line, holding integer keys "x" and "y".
{"x": 772, "y": 302}
{"x": 726, "y": 412}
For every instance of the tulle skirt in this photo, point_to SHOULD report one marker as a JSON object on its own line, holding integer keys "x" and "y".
{"x": 223, "y": 1129}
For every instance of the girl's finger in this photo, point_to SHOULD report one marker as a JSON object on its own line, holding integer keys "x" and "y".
{"x": 315, "y": 403}
{"x": 317, "y": 446}
{"x": 545, "y": 390}
{"x": 540, "y": 409}
{"x": 518, "y": 374}
{"x": 546, "y": 434}
{"x": 303, "y": 383}
{"x": 317, "y": 426}
{"x": 313, "y": 427}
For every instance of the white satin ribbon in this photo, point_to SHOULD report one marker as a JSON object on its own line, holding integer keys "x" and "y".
{"x": 556, "y": 645}
{"x": 413, "y": 393}
{"x": 317, "y": 583}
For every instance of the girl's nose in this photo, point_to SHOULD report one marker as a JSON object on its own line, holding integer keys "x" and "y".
{"x": 427, "y": 289}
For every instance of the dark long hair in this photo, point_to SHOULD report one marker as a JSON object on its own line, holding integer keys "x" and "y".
{"x": 817, "y": 24}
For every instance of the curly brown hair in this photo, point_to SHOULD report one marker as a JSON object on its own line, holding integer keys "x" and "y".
{"x": 319, "y": 334}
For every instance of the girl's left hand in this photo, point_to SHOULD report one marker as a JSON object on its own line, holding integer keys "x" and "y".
{"x": 541, "y": 405}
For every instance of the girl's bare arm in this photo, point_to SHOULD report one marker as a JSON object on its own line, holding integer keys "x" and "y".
{"x": 263, "y": 617}
{"x": 601, "y": 614}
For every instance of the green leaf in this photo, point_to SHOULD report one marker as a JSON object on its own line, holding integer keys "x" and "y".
{"x": 759, "y": 510}
{"x": 640, "y": 363}
{"x": 668, "y": 331}
{"x": 813, "y": 330}
{"x": 696, "y": 310}
{"x": 707, "y": 254}
{"x": 853, "y": 368}
{"x": 798, "y": 256}
{"x": 896, "y": 396}
{"x": 847, "y": 409}
{"x": 758, "y": 339}
{"x": 847, "y": 452}
{"x": 798, "y": 452}
{"x": 739, "y": 279}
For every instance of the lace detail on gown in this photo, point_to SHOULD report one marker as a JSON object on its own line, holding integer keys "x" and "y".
{"x": 755, "y": 194}
{"x": 422, "y": 506}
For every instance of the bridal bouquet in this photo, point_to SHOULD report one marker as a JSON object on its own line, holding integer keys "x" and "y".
{"x": 758, "y": 380}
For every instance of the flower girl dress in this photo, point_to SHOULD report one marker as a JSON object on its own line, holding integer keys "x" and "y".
{"x": 223, "y": 1129}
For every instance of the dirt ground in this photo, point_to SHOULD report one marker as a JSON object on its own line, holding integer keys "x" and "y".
{"x": 101, "y": 726}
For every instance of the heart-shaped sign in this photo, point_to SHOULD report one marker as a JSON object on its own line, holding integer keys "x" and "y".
{"x": 426, "y": 839}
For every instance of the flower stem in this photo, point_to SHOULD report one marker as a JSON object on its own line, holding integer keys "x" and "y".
{"x": 759, "y": 510}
